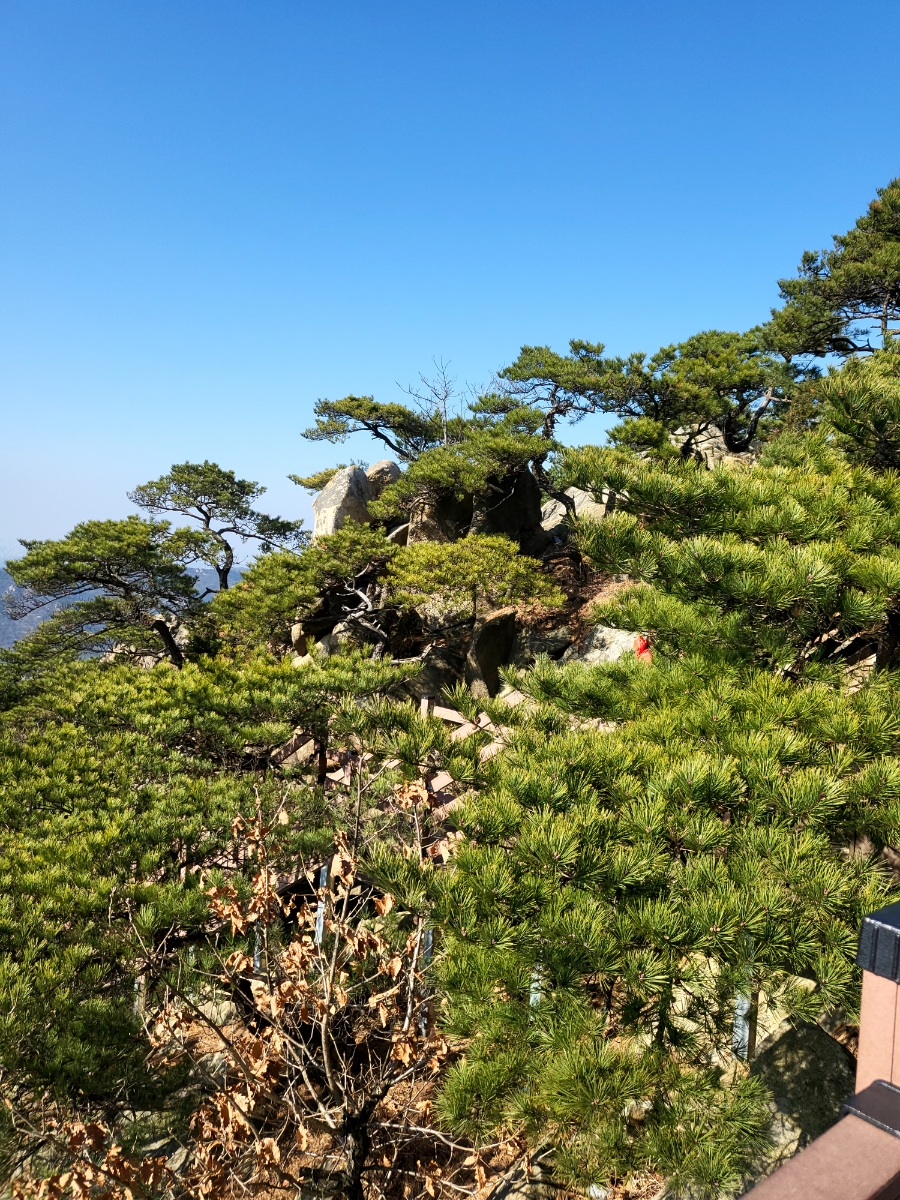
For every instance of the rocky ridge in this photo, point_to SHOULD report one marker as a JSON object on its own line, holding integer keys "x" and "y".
{"x": 462, "y": 652}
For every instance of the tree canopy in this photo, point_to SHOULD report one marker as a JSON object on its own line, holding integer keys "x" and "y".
{"x": 862, "y": 405}
{"x": 222, "y": 504}
{"x": 133, "y": 574}
{"x": 840, "y": 296}
{"x": 277, "y": 923}
{"x": 726, "y": 379}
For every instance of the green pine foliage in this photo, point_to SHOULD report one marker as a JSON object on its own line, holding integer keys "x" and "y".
{"x": 476, "y": 466}
{"x": 127, "y": 580}
{"x": 478, "y": 572}
{"x": 862, "y": 405}
{"x": 842, "y": 296}
{"x": 777, "y": 565}
{"x": 619, "y": 889}
{"x": 318, "y": 480}
{"x": 282, "y": 587}
{"x": 640, "y": 842}
{"x": 728, "y": 378}
{"x": 119, "y": 788}
{"x": 222, "y": 505}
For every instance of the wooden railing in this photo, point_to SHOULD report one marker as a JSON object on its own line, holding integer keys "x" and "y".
{"x": 859, "y": 1157}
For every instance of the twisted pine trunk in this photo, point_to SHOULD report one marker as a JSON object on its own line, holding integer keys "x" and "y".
{"x": 357, "y": 1144}
{"x": 172, "y": 649}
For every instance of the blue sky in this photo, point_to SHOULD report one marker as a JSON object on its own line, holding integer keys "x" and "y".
{"x": 213, "y": 212}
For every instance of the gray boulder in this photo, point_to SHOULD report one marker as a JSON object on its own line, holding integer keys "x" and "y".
{"x": 345, "y": 498}
{"x": 514, "y": 510}
{"x": 439, "y": 519}
{"x": 603, "y": 644}
{"x": 345, "y": 633}
{"x": 587, "y": 506}
{"x": 442, "y": 668}
{"x": 707, "y": 446}
{"x": 177, "y": 1156}
{"x": 530, "y": 643}
{"x": 809, "y": 1074}
{"x": 381, "y": 474}
{"x": 491, "y": 647}
{"x": 553, "y": 513}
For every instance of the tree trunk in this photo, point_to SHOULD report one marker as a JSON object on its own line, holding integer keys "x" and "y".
{"x": 888, "y": 642}
{"x": 165, "y": 635}
{"x": 228, "y": 560}
{"x": 225, "y": 570}
{"x": 357, "y": 1144}
{"x": 740, "y": 445}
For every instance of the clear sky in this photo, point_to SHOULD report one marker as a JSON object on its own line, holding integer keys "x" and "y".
{"x": 213, "y": 212}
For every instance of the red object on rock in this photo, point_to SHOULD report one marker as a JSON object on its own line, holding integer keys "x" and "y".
{"x": 642, "y": 648}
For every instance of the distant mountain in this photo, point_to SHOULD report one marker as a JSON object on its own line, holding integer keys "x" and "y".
{"x": 11, "y": 631}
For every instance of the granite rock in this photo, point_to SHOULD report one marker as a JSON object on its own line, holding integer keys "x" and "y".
{"x": 603, "y": 644}
{"x": 530, "y": 643}
{"x": 381, "y": 474}
{"x": 491, "y": 647}
{"x": 809, "y": 1074}
{"x": 345, "y": 498}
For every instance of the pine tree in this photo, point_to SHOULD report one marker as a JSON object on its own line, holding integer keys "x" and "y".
{"x": 133, "y": 575}
{"x": 119, "y": 789}
{"x": 840, "y": 296}
{"x": 619, "y": 889}
{"x": 631, "y": 854}
{"x": 728, "y": 379}
{"x": 862, "y": 404}
{"x": 792, "y": 562}
{"x": 222, "y": 505}
{"x": 661, "y": 839}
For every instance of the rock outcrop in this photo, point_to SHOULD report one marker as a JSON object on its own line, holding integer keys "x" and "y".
{"x": 381, "y": 474}
{"x": 345, "y": 498}
{"x": 439, "y": 519}
{"x": 515, "y": 510}
{"x": 530, "y": 643}
{"x": 442, "y": 668}
{"x": 491, "y": 647}
{"x": 602, "y": 644}
{"x": 449, "y": 648}
{"x": 708, "y": 447}
{"x": 809, "y": 1074}
{"x": 554, "y": 512}
{"x": 399, "y": 535}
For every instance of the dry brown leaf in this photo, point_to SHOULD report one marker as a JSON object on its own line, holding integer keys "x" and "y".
{"x": 267, "y": 1151}
{"x": 94, "y": 1135}
{"x": 404, "y": 1051}
{"x": 392, "y": 967}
